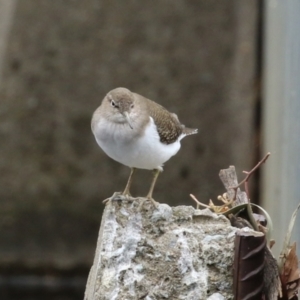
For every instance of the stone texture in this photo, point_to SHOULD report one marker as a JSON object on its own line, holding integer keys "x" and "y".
{"x": 168, "y": 253}
{"x": 197, "y": 58}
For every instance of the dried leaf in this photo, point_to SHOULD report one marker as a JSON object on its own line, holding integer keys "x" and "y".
{"x": 287, "y": 239}
{"x": 288, "y": 264}
{"x": 291, "y": 274}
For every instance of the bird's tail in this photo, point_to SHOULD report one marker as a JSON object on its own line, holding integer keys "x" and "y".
{"x": 189, "y": 131}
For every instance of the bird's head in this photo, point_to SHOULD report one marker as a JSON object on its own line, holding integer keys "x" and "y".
{"x": 119, "y": 104}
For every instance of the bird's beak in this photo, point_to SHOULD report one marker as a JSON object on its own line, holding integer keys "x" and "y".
{"x": 126, "y": 115}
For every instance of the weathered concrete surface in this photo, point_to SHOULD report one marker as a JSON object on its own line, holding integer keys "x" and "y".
{"x": 168, "y": 253}
{"x": 197, "y": 58}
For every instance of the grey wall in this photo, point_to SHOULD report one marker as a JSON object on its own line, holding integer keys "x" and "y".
{"x": 197, "y": 58}
{"x": 281, "y": 123}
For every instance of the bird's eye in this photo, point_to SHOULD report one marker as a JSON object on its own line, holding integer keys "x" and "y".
{"x": 113, "y": 104}
{"x": 132, "y": 106}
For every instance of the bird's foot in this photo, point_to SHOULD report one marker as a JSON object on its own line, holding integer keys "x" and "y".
{"x": 118, "y": 196}
{"x": 115, "y": 196}
{"x": 129, "y": 197}
{"x": 144, "y": 199}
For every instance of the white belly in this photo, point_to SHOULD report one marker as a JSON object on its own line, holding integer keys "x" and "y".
{"x": 122, "y": 144}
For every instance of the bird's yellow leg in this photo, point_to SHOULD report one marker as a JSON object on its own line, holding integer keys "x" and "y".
{"x": 126, "y": 192}
{"x": 149, "y": 195}
{"x": 155, "y": 176}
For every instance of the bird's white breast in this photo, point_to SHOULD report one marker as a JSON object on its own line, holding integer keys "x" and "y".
{"x": 132, "y": 147}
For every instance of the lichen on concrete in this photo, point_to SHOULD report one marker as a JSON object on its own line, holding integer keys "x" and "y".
{"x": 164, "y": 253}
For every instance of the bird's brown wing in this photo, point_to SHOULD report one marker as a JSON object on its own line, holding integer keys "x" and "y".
{"x": 168, "y": 125}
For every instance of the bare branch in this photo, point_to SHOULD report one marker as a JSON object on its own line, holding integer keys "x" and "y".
{"x": 246, "y": 179}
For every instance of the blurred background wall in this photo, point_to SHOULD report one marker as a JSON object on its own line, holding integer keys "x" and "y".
{"x": 280, "y": 189}
{"x": 58, "y": 59}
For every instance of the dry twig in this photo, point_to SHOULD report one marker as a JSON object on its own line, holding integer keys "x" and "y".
{"x": 249, "y": 173}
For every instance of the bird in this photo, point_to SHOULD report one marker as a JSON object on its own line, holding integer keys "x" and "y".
{"x": 137, "y": 132}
